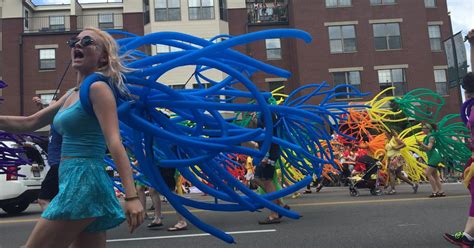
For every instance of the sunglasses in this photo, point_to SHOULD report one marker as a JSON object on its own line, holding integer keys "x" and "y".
{"x": 84, "y": 42}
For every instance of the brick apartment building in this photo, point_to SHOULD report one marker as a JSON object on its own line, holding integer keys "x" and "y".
{"x": 371, "y": 44}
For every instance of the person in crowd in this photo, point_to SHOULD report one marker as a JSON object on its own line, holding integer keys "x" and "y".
{"x": 434, "y": 158}
{"x": 169, "y": 176}
{"x": 85, "y": 206}
{"x": 466, "y": 238}
{"x": 49, "y": 186}
{"x": 396, "y": 161}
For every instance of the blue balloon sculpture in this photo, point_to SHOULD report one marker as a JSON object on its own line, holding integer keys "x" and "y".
{"x": 199, "y": 150}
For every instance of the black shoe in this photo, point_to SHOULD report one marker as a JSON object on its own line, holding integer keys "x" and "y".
{"x": 319, "y": 188}
{"x": 459, "y": 239}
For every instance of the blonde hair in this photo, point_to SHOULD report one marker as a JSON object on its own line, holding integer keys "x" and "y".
{"x": 114, "y": 69}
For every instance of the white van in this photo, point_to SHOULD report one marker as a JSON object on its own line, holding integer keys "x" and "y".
{"x": 17, "y": 192}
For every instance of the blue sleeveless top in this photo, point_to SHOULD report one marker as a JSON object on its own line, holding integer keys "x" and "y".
{"x": 82, "y": 135}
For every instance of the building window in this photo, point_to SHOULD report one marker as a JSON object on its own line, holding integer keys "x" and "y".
{"x": 46, "y": 99}
{"x": 56, "y": 23}
{"x": 441, "y": 82}
{"x": 201, "y": 86}
{"x": 275, "y": 85}
{"x": 223, "y": 10}
{"x": 47, "y": 59}
{"x": 162, "y": 49}
{"x": 27, "y": 17}
{"x": 338, "y": 3}
{"x": 273, "y": 47}
{"x": 178, "y": 86}
{"x": 201, "y": 9}
{"x": 392, "y": 77}
{"x": 146, "y": 11}
{"x": 435, "y": 37}
{"x": 387, "y": 36}
{"x": 342, "y": 39}
{"x": 106, "y": 21}
{"x": 350, "y": 78}
{"x": 382, "y": 2}
{"x": 430, "y": 3}
{"x": 167, "y": 10}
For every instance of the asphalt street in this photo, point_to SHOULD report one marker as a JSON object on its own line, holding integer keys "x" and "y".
{"x": 330, "y": 218}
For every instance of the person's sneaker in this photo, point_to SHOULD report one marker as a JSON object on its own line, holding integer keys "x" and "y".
{"x": 415, "y": 188}
{"x": 459, "y": 239}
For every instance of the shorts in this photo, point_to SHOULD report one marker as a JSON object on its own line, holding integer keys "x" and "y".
{"x": 50, "y": 184}
{"x": 168, "y": 175}
{"x": 264, "y": 171}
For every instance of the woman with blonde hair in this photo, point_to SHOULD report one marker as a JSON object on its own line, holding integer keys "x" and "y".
{"x": 85, "y": 206}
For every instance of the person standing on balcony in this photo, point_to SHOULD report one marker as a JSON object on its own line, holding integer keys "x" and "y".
{"x": 85, "y": 206}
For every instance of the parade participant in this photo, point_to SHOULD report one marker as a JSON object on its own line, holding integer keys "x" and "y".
{"x": 170, "y": 180}
{"x": 85, "y": 206}
{"x": 396, "y": 161}
{"x": 466, "y": 238}
{"x": 265, "y": 171}
{"x": 49, "y": 186}
{"x": 434, "y": 158}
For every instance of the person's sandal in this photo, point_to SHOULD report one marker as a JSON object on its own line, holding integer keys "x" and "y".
{"x": 433, "y": 195}
{"x": 268, "y": 221}
{"x": 177, "y": 227}
{"x": 153, "y": 225}
{"x": 440, "y": 194}
{"x": 287, "y": 207}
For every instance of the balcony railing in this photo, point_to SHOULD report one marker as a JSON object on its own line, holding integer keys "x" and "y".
{"x": 59, "y": 23}
{"x": 267, "y": 12}
{"x": 102, "y": 21}
{"x": 66, "y": 23}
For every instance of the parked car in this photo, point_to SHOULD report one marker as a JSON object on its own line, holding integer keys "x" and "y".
{"x": 18, "y": 190}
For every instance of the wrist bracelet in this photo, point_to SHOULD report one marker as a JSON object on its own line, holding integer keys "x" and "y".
{"x": 131, "y": 198}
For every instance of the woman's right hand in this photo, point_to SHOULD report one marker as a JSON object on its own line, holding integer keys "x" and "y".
{"x": 135, "y": 214}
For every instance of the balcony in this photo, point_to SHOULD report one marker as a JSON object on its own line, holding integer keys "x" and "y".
{"x": 64, "y": 23}
{"x": 264, "y": 12}
{"x": 102, "y": 21}
{"x": 59, "y": 23}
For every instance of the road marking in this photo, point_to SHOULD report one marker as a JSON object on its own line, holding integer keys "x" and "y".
{"x": 12, "y": 221}
{"x": 189, "y": 235}
{"x": 404, "y": 225}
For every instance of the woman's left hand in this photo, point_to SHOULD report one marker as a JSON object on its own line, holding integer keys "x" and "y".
{"x": 135, "y": 214}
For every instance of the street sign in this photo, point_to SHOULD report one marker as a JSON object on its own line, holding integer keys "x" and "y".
{"x": 457, "y": 59}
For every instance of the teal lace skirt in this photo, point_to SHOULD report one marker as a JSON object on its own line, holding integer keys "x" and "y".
{"x": 85, "y": 191}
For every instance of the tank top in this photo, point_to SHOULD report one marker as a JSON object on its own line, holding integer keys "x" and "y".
{"x": 434, "y": 158}
{"x": 82, "y": 135}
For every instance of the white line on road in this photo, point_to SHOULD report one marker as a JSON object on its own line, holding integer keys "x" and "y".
{"x": 189, "y": 235}
{"x": 404, "y": 225}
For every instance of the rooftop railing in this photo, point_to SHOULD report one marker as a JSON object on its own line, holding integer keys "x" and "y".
{"x": 63, "y": 23}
